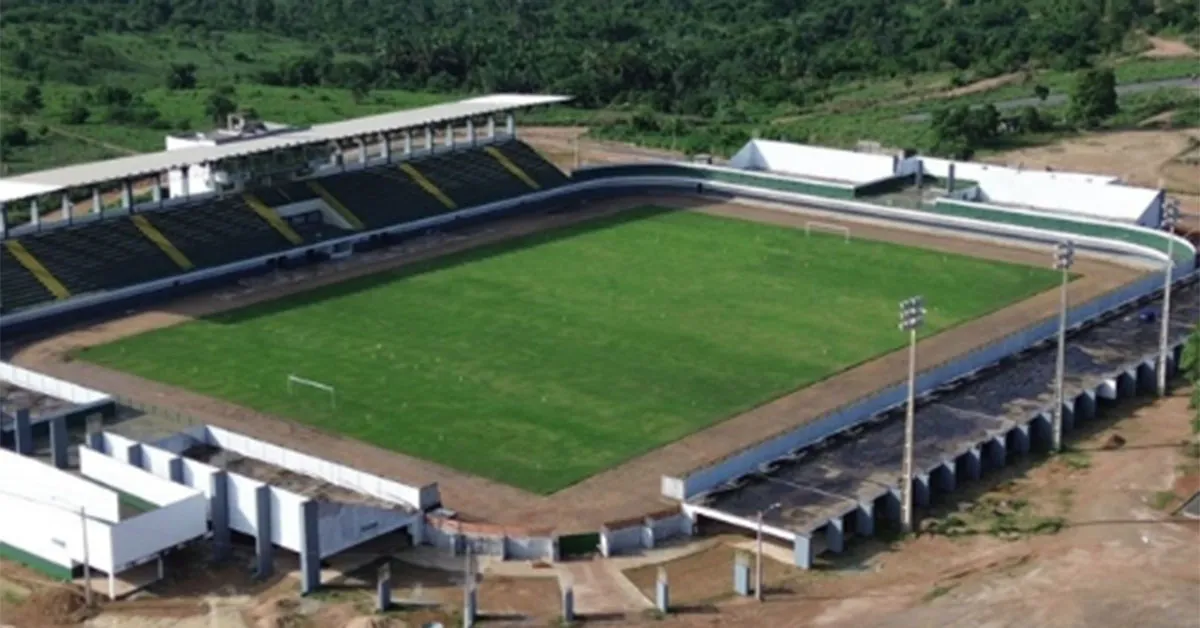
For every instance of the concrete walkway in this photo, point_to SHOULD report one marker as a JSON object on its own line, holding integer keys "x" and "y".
{"x": 601, "y": 588}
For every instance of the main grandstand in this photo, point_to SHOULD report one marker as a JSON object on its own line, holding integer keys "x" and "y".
{"x": 423, "y": 299}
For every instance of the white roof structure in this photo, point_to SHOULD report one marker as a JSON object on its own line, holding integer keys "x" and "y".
{"x": 57, "y": 179}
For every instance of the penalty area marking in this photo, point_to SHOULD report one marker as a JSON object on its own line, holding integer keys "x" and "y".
{"x": 810, "y": 225}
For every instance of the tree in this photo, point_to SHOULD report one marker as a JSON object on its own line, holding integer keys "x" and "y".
{"x": 14, "y": 135}
{"x": 76, "y": 114}
{"x": 218, "y": 107}
{"x": 1190, "y": 368}
{"x": 1042, "y": 92}
{"x": 1093, "y": 97}
{"x": 1030, "y": 121}
{"x": 181, "y": 76}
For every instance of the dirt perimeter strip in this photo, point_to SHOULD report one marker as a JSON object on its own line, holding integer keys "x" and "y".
{"x": 629, "y": 490}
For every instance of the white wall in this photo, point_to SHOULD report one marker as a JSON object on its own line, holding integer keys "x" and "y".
{"x": 54, "y": 534}
{"x": 342, "y": 526}
{"x": 243, "y": 504}
{"x": 336, "y": 474}
{"x": 151, "y": 532}
{"x": 814, "y": 161}
{"x": 130, "y": 479}
{"x": 286, "y": 528}
{"x": 51, "y": 386}
{"x": 29, "y": 478}
{"x": 157, "y": 461}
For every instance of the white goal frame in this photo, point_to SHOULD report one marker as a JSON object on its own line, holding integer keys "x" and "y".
{"x": 810, "y": 225}
{"x": 295, "y": 380}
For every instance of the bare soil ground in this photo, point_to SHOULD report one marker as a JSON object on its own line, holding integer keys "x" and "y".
{"x": 629, "y": 490}
{"x": 1147, "y": 158}
{"x": 1161, "y": 48}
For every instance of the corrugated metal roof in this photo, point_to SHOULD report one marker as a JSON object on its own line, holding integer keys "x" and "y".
{"x": 133, "y": 166}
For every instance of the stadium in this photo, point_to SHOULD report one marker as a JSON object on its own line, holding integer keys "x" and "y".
{"x": 416, "y": 323}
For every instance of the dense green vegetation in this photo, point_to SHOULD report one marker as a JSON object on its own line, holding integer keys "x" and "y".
{"x": 543, "y": 361}
{"x": 700, "y": 75}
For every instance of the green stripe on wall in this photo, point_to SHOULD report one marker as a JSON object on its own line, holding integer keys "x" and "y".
{"x": 35, "y": 562}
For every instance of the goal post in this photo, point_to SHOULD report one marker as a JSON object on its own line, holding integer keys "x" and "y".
{"x": 295, "y": 381}
{"x": 816, "y": 225}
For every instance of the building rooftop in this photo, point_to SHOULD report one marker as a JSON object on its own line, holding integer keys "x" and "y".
{"x": 133, "y": 166}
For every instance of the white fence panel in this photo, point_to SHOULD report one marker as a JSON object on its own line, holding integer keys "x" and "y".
{"x": 286, "y": 528}
{"x": 157, "y": 461}
{"x": 129, "y": 479}
{"x": 243, "y": 503}
{"x": 33, "y": 480}
{"x": 151, "y": 532}
{"x": 116, "y": 445}
{"x": 51, "y": 386}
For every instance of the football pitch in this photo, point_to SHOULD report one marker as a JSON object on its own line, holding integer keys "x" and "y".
{"x": 541, "y": 361}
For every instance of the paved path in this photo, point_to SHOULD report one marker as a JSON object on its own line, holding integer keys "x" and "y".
{"x": 600, "y": 589}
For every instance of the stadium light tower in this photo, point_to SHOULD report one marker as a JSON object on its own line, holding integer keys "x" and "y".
{"x": 912, "y": 316}
{"x": 1064, "y": 257}
{"x": 758, "y": 552}
{"x": 1169, "y": 220}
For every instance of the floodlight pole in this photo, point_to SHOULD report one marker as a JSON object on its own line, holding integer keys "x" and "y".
{"x": 1170, "y": 218}
{"x": 758, "y": 553}
{"x": 1064, "y": 257}
{"x": 912, "y": 316}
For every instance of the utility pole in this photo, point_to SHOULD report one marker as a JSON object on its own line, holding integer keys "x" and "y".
{"x": 87, "y": 563}
{"x": 912, "y": 316}
{"x": 1064, "y": 257}
{"x": 1169, "y": 220}
{"x": 758, "y": 553}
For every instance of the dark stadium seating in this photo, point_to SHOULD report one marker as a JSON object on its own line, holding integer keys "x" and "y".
{"x": 537, "y": 167}
{"x": 382, "y": 196}
{"x": 471, "y": 177}
{"x": 103, "y": 255}
{"x": 278, "y": 196}
{"x": 115, "y": 253}
{"x": 21, "y": 288}
{"x": 218, "y": 233}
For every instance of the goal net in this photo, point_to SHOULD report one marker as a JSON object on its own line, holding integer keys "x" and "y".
{"x": 828, "y": 227}
{"x": 300, "y": 388}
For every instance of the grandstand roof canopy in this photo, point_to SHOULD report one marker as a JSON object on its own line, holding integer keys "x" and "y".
{"x": 81, "y": 175}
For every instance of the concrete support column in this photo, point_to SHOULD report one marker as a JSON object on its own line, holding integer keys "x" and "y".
{"x": 1085, "y": 404}
{"x": 741, "y": 575}
{"x": 185, "y": 182}
{"x": 510, "y": 125}
{"x": 1068, "y": 416}
{"x": 920, "y": 174}
{"x": 3, "y": 219}
{"x": 491, "y": 128}
{"x": 429, "y": 138}
{"x": 133, "y": 455}
{"x": 362, "y": 150}
{"x": 175, "y": 470}
{"x": 996, "y": 451}
{"x": 97, "y": 201}
{"x": 310, "y": 554}
{"x": 803, "y": 551}
{"x": 471, "y": 132}
{"x": 662, "y": 593}
{"x": 95, "y": 441}
{"x": 921, "y": 490}
{"x": 972, "y": 463}
{"x": 864, "y": 519}
{"x": 835, "y": 535}
{"x": 383, "y": 589}
{"x": 156, "y": 191}
{"x": 262, "y": 533}
{"x": 58, "y": 442}
{"x": 449, "y": 137}
{"x": 648, "y": 533}
{"x": 219, "y": 513}
{"x": 35, "y": 213}
{"x": 407, "y": 143}
{"x": 66, "y": 209}
{"x": 950, "y": 179}
{"x": 386, "y": 147}
{"x": 126, "y": 195}
{"x": 1039, "y": 432}
{"x": 22, "y": 433}
{"x": 568, "y": 605}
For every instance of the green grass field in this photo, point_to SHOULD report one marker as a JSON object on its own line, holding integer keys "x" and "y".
{"x": 545, "y": 360}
